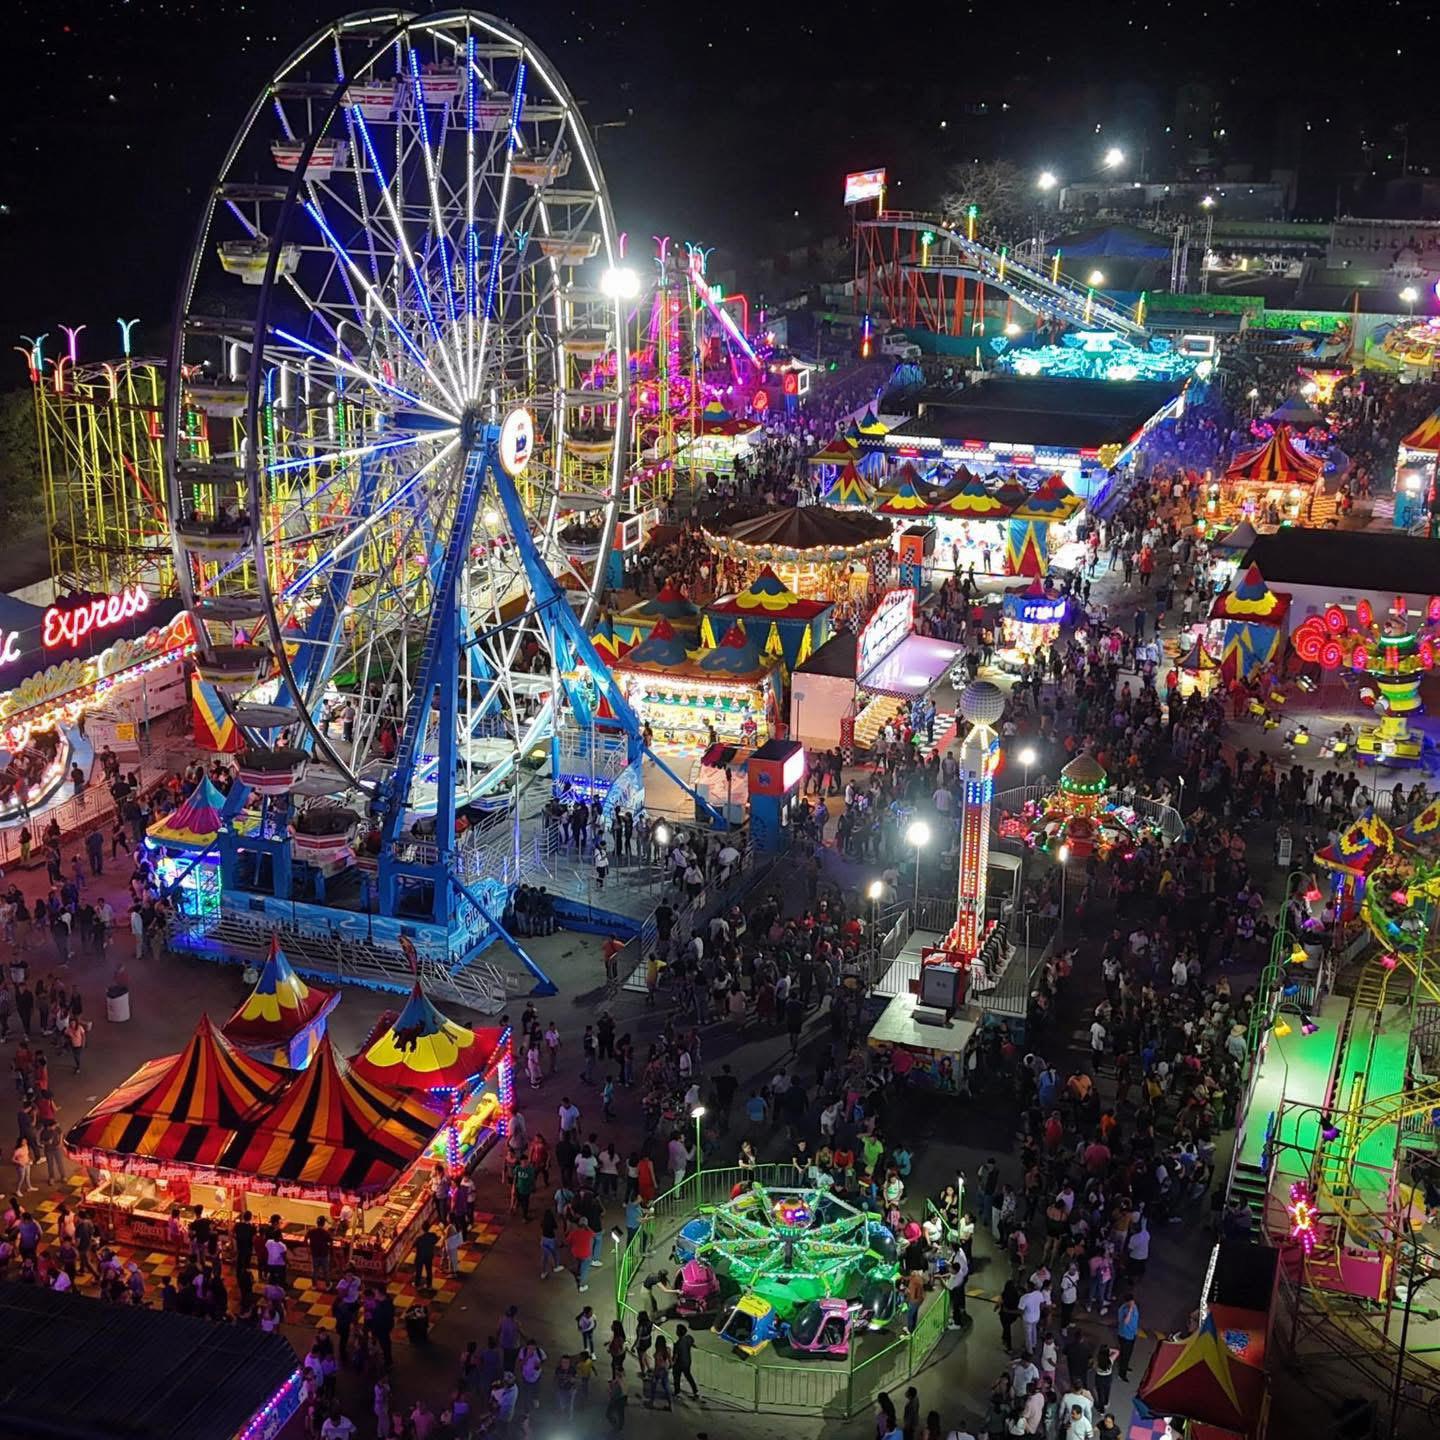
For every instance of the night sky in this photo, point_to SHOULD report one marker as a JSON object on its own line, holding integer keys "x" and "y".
{"x": 734, "y": 117}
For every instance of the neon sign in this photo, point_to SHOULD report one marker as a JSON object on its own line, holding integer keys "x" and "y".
{"x": 70, "y": 625}
{"x": 9, "y": 646}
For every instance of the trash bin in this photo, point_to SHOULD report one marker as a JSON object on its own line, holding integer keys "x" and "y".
{"x": 117, "y": 1003}
{"x": 417, "y": 1324}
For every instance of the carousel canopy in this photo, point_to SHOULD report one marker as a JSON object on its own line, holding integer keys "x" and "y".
{"x": 769, "y": 597}
{"x": 1084, "y": 772}
{"x": 1277, "y": 462}
{"x": 337, "y": 1132}
{"x": 837, "y": 452}
{"x": 195, "y": 822}
{"x": 1425, "y": 436}
{"x": 810, "y": 532}
{"x": 735, "y": 657}
{"x": 1239, "y": 540}
{"x": 661, "y": 649}
{"x": 185, "y": 1109}
{"x": 1251, "y": 599}
{"x": 1199, "y": 1379}
{"x": 1365, "y": 842}
{"x": 280, "y": 1006}
{"x": 849, "y": 488}
{"x": 1052, "y": 500}
{"x": 421, "y": 1049}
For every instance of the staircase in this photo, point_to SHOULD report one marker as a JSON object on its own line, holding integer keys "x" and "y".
{"x": 480, "y": 985}
{"x": 872, "y": 719}
{"x": 1250, "y": 1184}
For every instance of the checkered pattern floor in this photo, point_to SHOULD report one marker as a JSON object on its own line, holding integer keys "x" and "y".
{"x": 309, "y": 1304}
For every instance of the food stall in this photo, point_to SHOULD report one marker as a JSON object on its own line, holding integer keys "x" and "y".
{"x": 214, "y": 1127}
{"x": 1030, "y": 620}
{"x": 1269, "y": 484}
{"x": 971, "y": 528}
{"x": 781, "y": 622}
{"x": 283, "y": 1019}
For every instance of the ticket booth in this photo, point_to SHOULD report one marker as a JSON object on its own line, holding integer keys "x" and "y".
{"x": 775, "y": 774}
{"x": 916, "y": 550}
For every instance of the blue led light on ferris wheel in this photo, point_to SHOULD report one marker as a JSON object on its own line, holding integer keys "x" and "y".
{"x": 423, "y": 124}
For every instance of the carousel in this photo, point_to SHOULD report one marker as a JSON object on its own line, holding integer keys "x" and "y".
{"x": 818, "y": 553}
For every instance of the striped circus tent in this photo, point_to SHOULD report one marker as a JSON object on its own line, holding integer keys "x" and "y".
{"x": 183, "y": 1110}
{"x": 337, "y": 1134}
{"x": 279, "y": 1010}
{"x": 1277, "y": 462}
{"x": 838, "y": 452}
{"x": 194, "y": 823}
{"x": 1425, "y": 436}
{"x": 421, "y": 1049}
{"x": 973, "y": 501}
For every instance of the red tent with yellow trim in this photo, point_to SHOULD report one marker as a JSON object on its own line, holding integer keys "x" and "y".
{"x": 1199, "y": 1379}
{"x": 1425, "y": 436}
{"x": 280, "y": 1011}
{"x": 422, "y": 1049}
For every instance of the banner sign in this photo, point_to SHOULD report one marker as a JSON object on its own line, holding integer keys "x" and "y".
{"x": 864, "y": 185}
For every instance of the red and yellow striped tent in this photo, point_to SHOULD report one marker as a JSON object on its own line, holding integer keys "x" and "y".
{"x": 337, "y": 1134}
{"x": 1277, "y": 462}
{"x": 421, "y": 1049}
{"x": 183, "y": 1110}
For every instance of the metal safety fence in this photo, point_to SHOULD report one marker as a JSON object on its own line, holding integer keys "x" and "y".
{"x": 838, "y": 1390}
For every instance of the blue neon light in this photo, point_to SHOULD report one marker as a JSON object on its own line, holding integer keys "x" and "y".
{"x": 420, "y": 289}
{"x": 440, "y": 235}
{"x": 472, "y": 241}
{"x": 315, "y": 350}
{"x": 281, "y": 466}
{"x": 516, "y": 104}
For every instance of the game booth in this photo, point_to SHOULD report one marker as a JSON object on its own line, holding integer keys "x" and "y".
{"x": 1415, "y": 471}
{"x": 730, "y": 689}
{"x": 283, "y": 1020}
{"x": 783, "y": 625}
{"x": 216, "y": 1127}
{"x": 971, "y": 527}
{"x": 86, "y": 672}
{"x": 1031, "y": 617}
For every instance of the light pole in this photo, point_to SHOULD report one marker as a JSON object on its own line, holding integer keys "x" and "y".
{"x": 917, "y": 835}
{"x": 1063, "y": 856}
{"x": 1252, "y": 395}
{"x": 1114, "y": 158}
{"x": 698, "y": 1114}
{"x": 1410, "y": 295}
{"x": 874, "y": 890}
{"x": 1027, "y": 758}
{"x": 1096, "y": 278}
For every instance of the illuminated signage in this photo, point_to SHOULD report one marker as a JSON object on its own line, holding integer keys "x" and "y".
{"x": 1042, "y": 612}
{"x": 864, "y": 185}
{"x": 70, "y": 624}
{"x": 517, "y": 440}
{"x": 893, "y": 620}
{"x": 9, "y": 646}
{"x": 794, "y": 770}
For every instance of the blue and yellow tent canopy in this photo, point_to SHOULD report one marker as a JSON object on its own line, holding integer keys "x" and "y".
{"x": 280, "y": 1006}
{"x": 422, "y": 1049}
{"x": 194, "y": 823}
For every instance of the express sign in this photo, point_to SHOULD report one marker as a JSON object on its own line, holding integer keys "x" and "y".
{"x": 69, "y": 625}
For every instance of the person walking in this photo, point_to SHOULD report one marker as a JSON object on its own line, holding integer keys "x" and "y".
{"x": 680, "y": 1365}
{"x": 75, "y": 1038}
{"x": 1127, "y": 1328}
{"x": 24, "y": 1158}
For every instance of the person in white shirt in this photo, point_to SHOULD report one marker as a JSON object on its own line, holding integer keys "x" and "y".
{"x": 1097, "y": 1039}
{"x": 1032, "y": 1306}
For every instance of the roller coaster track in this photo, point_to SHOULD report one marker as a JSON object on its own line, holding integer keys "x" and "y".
{"x": 950, "y": 252}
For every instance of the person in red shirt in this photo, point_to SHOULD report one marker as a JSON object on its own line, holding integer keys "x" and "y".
{"x": 581, "y": 1240}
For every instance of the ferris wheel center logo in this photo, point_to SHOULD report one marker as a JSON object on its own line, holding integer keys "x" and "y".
{"x": 517, "y": 438}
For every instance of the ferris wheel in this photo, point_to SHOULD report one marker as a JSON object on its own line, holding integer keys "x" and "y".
{"x": 396, "y": 375}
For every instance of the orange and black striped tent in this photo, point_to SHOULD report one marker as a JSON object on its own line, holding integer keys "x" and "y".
{"x": 185, "y": 1109}
{"x": 1425, "y": 436}
{"x": 336, "y": 1132}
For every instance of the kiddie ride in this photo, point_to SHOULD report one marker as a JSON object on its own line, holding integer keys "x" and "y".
{"x": 802, "y": 1266}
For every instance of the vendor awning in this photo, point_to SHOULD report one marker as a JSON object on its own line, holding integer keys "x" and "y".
{"x": 912, "y": 668}
{"x": 421, "y": 1049}
{"x": 721, "y": 756}
{"x": 1251, "y": 599}
{"x": 849, "y": 488}
{"x": 280, "y": 1006}
{"x": 1053, "y": 500}
{"x": 837, "y": 452}
{"x": 1238, "y": 540}
{"x": 1423, "y": 832}
{"x": 769, "y": 598}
